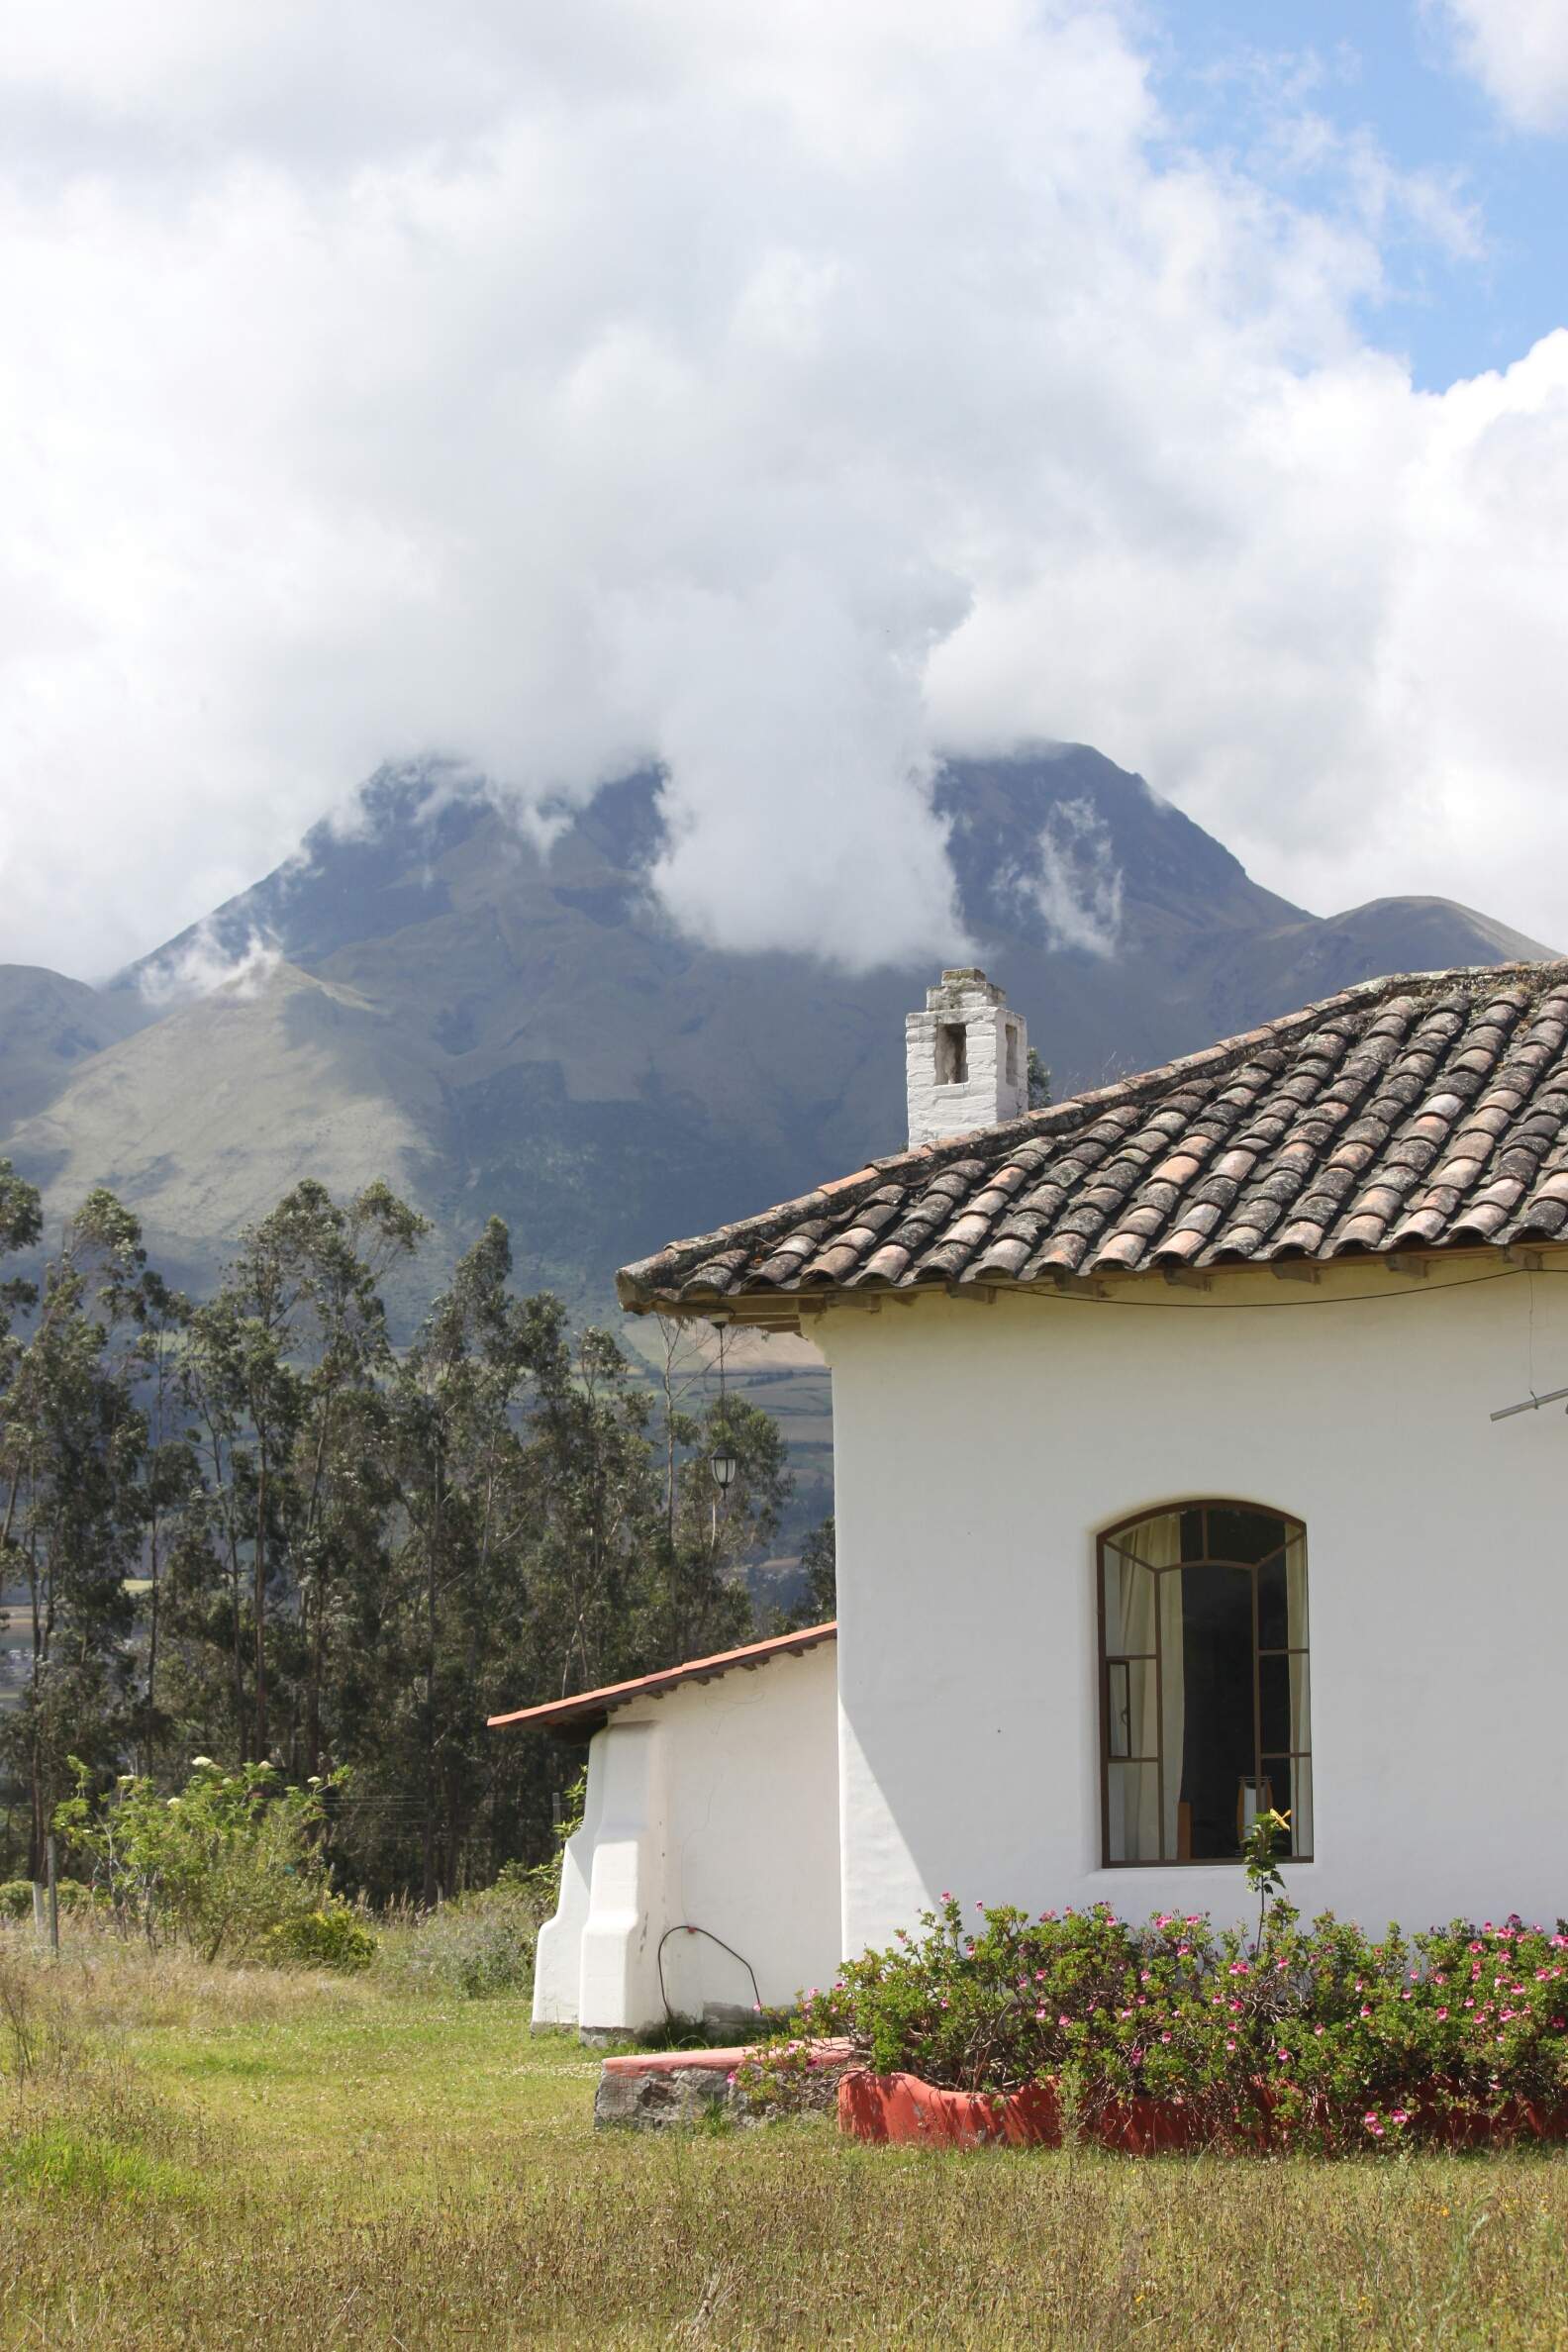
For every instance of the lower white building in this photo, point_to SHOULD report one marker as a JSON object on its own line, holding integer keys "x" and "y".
{"x": 703, "y": 1880}
{"x": 1170, "y": 1481}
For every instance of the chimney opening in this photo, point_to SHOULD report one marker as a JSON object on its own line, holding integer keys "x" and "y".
{"x": 952, "y": 1053}
{"x": 1012, "y": 1053}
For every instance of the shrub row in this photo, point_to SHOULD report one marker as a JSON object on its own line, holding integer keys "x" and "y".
{"x": 16, "y": 1897}
{"x": 1317, "y": 2032}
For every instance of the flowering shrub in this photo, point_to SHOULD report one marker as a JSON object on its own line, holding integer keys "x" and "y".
{"x": 221, "y": 1867}
{"x": 1316, "y": 2032}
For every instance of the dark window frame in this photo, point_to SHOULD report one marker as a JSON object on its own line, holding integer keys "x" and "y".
{"x": 1105, "y": 1542}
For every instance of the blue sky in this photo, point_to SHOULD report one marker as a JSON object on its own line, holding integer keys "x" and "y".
{"x": 1229, "y": 70}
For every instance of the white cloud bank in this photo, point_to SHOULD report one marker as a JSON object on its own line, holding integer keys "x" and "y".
{"x": 1518, "y": 51}
{"x": 776, "y": 391}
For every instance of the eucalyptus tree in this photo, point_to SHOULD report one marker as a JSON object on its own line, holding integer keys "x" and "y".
{"x": 72, "y": 1440}
{"x": 282, "y": 1374}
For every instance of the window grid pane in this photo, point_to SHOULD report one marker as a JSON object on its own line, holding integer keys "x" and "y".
{"x": 1141, "y": 1579}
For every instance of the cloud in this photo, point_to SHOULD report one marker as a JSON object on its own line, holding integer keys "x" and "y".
{"x": 782, "y": 394}
{"x": 1518, "y": 50}
{"x": 201, "y": 965}
{"x": 1078, "y": 888}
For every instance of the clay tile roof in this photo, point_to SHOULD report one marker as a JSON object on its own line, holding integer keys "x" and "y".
{"x": 1417, "y": 1112}
{"x": 588, "y": 1709}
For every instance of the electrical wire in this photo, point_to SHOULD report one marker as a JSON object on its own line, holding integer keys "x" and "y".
{"x": 1269, "y": 1306}
{"x": 689, "y": 1927}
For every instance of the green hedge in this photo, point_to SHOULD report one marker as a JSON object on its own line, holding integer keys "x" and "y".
{"x": 16, "y": 1897}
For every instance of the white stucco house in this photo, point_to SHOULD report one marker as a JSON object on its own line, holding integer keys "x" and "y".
{"x": 1177, "y": 1472}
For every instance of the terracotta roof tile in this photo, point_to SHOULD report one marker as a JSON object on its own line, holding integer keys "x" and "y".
{"x": 1422, "y": 1110}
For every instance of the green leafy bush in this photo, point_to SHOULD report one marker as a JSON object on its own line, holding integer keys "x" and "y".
{"x": 1322, "y": 2032}
{"x": 230, "y": 1862}
{"x": 332, "y": 1936}
{"x": 476, "y": 1945}
{"x": 16, "y": 1897}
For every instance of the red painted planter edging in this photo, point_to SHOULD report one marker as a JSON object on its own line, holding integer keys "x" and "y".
{"x": 899, "y": 2108}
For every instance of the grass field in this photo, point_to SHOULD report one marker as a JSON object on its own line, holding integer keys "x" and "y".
{"x": 199, "y": 2157}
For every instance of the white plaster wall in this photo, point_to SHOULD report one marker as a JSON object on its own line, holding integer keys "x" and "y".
{"x": 979, "y": 1449}
{"x": 716, "y": 1805}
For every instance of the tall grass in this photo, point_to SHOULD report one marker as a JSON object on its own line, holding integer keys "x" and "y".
{"x": 478, "y": 1945}
{"x": 271, "y": 2160}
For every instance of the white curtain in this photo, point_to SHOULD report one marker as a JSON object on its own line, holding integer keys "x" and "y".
{"x": 1143, "y": 1801}
{"x": 1299, "y": 1715}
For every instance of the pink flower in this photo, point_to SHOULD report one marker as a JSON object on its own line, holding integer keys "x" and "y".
{"x": 1229, "y": 2045}
{"x": 1400, "y": 2115}
{"x": 1069, "y": 2020}
{"x": 1318, "y": 2031}
{"x": 1164, "y": 2037}
{"x": 1284, "y": 2057}
{"x": 1443, "y": 2013}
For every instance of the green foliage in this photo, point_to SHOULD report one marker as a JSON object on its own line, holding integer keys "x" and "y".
{"x": 540, "y": 1885}
{"x": 16, "y": 1897}
{"x": 1325, "y": 2033}
{"x": 258, "y": 1528}
{"x": 1265, "y": 1841}
{"x": 72, "y": 1445}
{"x": 1039, "y": 1082}
{"x": 820, "y": 1565}
{"x": 226, "y": 1867}
{"x": 476, "y": 1946}
{"x": 334, "y": 1935}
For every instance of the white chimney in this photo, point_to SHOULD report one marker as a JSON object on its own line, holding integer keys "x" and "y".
{"x": 967, "y": 1059}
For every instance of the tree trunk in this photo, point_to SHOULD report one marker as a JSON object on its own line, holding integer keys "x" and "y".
{"x": 261, "y": 1611}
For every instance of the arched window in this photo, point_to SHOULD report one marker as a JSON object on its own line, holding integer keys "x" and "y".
{"x": 1204, "y": 1686}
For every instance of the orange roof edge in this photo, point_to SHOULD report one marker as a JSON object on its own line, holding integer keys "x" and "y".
{"x": 613, "y": 1695}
